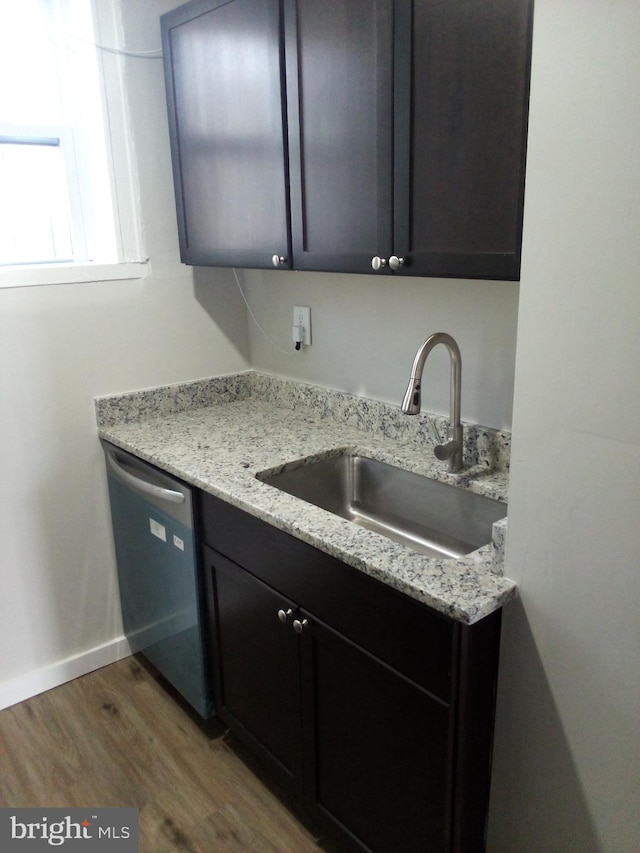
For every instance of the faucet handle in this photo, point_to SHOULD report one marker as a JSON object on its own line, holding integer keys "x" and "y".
{"x": 445, "y": 451}
{"x": 434, "y": 432}
{"x": 451, "y": 449}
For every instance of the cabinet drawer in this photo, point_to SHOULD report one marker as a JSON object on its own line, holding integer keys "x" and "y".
{"x": 417, "y": 641}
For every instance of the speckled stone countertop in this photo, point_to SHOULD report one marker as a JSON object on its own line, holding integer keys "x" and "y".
{"x": 219, "y": 433}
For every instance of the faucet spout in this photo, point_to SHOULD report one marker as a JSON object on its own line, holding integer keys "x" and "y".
{"x": 411, "y": 402}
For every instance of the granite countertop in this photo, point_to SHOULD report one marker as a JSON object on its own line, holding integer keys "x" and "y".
{"x": 218, "y": 434}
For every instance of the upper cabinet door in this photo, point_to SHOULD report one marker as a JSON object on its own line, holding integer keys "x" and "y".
{"x": 224, "y": 76}
{"x": 461, "y": 103}
{"x": 339, "y": 95}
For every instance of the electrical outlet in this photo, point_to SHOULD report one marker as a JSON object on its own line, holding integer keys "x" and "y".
{"x": 302, "y": 317}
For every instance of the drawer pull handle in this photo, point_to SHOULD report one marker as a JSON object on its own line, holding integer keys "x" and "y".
{"x": 283, "y": 615}
{"x": 299, "y": 626}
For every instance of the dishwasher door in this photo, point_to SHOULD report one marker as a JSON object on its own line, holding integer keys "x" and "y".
{"x": 161, "y": 589}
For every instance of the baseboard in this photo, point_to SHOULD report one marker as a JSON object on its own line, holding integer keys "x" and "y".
{"x": 26, "y": 686}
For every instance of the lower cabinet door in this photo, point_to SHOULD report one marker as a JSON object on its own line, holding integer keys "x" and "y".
{"x": 257, "y": 664}
{"x": 376, "y": 748}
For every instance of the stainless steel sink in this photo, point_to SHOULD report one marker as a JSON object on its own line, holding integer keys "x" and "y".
{"x": 431, "y": 517}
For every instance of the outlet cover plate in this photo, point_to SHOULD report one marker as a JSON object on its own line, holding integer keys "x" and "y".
{"x": 302, "y": 317}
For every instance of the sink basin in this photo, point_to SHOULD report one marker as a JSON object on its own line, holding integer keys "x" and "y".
{"x": 431, "y": 517}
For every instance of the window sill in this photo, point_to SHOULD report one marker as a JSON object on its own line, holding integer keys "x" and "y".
{"x": 31, "y": 276}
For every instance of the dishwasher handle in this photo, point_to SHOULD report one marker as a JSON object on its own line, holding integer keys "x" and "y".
{"x": 141, "y": 485}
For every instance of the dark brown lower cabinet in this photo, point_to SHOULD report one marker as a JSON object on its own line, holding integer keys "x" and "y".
{"x": 375, "y": 711}
{"x": 257, "y": 665}
{"x": 376, "y": 747}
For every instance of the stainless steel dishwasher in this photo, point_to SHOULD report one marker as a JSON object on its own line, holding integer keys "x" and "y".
{"x": 161, "y": 590}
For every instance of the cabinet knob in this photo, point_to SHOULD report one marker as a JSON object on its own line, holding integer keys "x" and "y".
{"x": 299, "y": 626}
{"x": 395, "y": 262}
{"x": 278, "y": 260}
{"x": 283, "y": 615}
{"x": 377, "y": 263}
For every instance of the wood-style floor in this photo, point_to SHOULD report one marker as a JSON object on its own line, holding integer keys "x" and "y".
{"x": 115, "y": 737}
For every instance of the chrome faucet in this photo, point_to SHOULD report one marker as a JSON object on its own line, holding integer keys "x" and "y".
{"x": 452, "y": 448}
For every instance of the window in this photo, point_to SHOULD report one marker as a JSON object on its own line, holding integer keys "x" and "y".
{"x": 35, "y": 219}
{"x": 65, "y": 171}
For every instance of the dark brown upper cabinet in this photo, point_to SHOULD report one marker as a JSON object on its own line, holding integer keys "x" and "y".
{"x": 351, "y": 135}
{"x": 340, "y": 107}
{"x": 461, "y": 106}
{"x": 224, "y": 76}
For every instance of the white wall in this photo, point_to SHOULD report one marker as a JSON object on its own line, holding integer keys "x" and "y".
{"x": 59, "y": 347}
{"x": 567, "y": 756}
{"x": 366, "y": 330}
